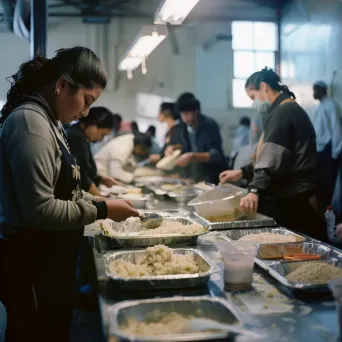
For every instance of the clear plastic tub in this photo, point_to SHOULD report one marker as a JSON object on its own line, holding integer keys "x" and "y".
{"x": 221, "y": 204}
{"x": 238, "y": 261}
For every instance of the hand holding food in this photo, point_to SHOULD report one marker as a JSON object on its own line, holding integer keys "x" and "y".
{"x": 249, "y": 203}
{"x": 185, "y": 159}
{"x": 109, "y": 181}
{"x": 230, "y": 176}
{"x": 171, "y": 148}
{"x": 120, "y": 210}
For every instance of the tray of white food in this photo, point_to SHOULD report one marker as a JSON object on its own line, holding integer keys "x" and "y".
{"x": 130, "y": 233}
{"x": 166, "y": 319}
{"x": 307, "y": 276}
{"x": 158, "y": 267}
{"x": 271, "y": 241}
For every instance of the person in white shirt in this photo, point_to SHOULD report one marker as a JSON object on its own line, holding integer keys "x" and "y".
{"x": 328, "y": 128}
{"x": 118, "y": 158}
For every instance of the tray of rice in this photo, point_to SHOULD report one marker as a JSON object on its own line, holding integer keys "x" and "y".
{"x": 164, "y": 319}
{"x": 130, "y": 233}
{"x": 271, "y": 241}
{"x": 231, "y": 222}
{"x": 158, "y": 267}
{"x": 313, "y": 275}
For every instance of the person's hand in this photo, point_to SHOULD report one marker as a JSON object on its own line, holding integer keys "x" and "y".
{"x": 120, "y": 210}
{"x": 185, "y": 159}
{"x": 339, "y": 231}
{"x": 154, "y": 158}
{"x": 169, "y": 150}
{"x": 249, "y": 203}
{"x": 109, "y": 181}
{"x": 230, "y": 176}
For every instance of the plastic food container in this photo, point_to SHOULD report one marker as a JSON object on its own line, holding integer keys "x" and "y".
{"x": 138, "y": 200}
{"x": 220, "y": 204}
{"x": 336, "y": 288}
{"x": 238, "y": 261}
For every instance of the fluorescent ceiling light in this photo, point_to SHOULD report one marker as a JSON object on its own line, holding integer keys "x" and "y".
{"x": 147, "y": 40}
{"x": 174, "y": 12}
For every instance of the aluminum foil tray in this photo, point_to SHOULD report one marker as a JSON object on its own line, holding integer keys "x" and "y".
{"x": 202, "y": 307}
{"x": 257, "y": 222}
{"x": 176, "y": 281}
{"x": 151, "y": 240}
{"x": 280, "y": 270}
{"x": 267, "y": 248}
{"x": 306, "y": 247}
{"x": 184, "y": 195}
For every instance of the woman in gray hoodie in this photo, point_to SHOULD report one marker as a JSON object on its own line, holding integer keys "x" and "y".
{"x": 42, "y": 207}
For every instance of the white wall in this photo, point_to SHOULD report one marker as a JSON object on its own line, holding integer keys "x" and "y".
{"x": 311, "y": 48}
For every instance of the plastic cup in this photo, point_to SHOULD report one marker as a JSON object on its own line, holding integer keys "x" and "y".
{"x": 238, "y": 261}
{"x": 336, "y": 288}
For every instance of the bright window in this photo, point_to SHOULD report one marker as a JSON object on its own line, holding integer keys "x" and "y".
{"x": 254, "y": 47}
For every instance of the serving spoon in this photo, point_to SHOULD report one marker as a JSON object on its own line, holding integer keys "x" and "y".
{"x": 151, "y": 220}
{"x": 204, "y": 324}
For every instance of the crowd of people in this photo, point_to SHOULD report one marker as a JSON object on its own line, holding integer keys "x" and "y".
{"x": 50, "y": 174}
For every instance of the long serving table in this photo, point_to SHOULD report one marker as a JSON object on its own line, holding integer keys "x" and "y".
{"x": 267, "y": 308}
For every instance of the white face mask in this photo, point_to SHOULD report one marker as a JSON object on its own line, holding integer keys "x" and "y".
{"x": 261, "y": 107}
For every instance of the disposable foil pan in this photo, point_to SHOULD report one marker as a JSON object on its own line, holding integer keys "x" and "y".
{"x": 163, "y": 281}
{"x": 256, "y": 222}
{"x": 280, "y": 270}
{"x": 184, "y": 195}
{"x": 305, "y": 247}
{"x": 151, "y": 240}
{"x": 202, "y": 307}
{"x": 268, "y": 248}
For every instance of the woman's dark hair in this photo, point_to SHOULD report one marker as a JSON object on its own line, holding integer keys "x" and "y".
{"x": 269, "y": 77}
{"x": 100, "y": 117}
{"x": 151, "y": 130}
{"x": 168, "y": 109}
{"x": 187, "y": 102}
{"x": 78, "y": 65}
{"x": 143, "y": 140}
{"x": 245, "y": 121}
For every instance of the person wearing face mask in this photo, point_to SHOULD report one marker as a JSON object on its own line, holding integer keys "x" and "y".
{"x": 120, "y": 156}
{"x": 282, "y": 179}
{"x": 92, "y": 128}
{"x": 43, "y": 209}
{"x": 199, "y": 138}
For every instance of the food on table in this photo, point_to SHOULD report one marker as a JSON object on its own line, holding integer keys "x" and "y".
{"x": 158, "y": 260}
{"x": 314, "y": 273}
{"x": 134, "y": 226}
{"x": 157, "y": 323}
{"x": 268, "y": 238}
{"x": 224, "y": 218}
{"x": 174, "y": 227}
{"x": 302, "y": 256}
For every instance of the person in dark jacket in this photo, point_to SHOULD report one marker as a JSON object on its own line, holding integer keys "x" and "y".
{"x": 282, "y": 181}
{"x": 199, "y": 138}
{"x": 92, "y": 128}
{"x": 43, "y": 209}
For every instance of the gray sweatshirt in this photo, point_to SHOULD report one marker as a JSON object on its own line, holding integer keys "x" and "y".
{"x": 30, "y": 161}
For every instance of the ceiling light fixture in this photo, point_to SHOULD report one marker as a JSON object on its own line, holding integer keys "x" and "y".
{"x": 147, "y": 40}
{"x": 174, "y": 12}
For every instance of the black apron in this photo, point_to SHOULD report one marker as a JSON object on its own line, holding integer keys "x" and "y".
{"x": 39, "y": 268}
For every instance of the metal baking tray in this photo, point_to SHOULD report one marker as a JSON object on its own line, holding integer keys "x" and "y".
{"x": 151, "y": 240}
{"x": 176, "y": 281}
{"x": 264, "y": 248}
{"x": 256, "y": 222}
{"x": 202, "y": 307}
{"x": 306, "y": 247}
{"x": 280, "y": 270}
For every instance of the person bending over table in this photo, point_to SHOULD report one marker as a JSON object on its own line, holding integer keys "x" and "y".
{"x": 282, "y": 181}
